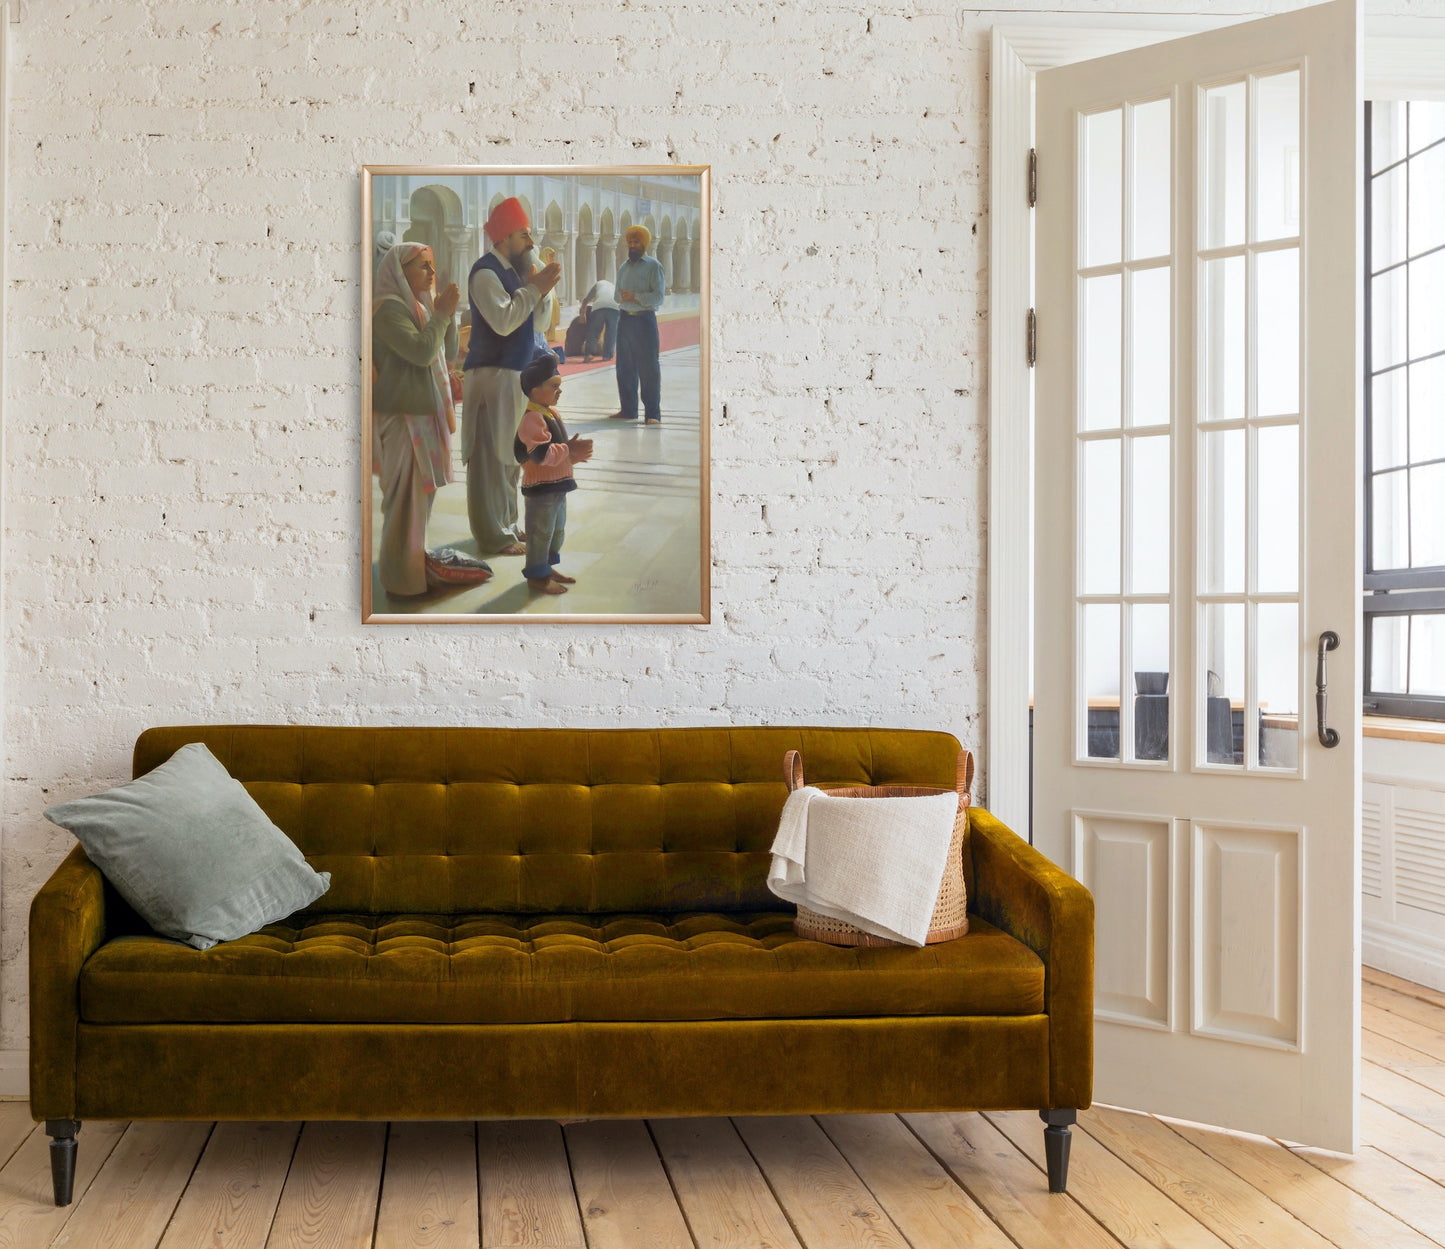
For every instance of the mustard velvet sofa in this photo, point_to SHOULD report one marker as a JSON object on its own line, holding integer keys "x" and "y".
{"x": 553, "y": 923}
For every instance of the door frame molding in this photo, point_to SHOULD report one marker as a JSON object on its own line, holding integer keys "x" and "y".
{"x": 1404, "y": 58}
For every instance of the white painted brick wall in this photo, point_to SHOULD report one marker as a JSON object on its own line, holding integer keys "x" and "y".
{"x": 184, "y": 409}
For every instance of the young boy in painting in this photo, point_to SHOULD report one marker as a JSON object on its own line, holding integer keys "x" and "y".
{"x": 546, "y": 455}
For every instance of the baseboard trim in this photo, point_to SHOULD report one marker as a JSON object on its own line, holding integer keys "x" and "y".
{"x": 14, "y": 1073}
{"x": 1405, "y": 952}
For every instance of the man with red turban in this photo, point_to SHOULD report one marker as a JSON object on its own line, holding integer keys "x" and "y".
{"x": 505, "y": 289}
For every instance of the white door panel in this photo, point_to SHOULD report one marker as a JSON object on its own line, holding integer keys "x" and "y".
{"x": 1197, "y": 509}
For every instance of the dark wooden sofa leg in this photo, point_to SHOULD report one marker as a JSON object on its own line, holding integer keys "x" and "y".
{"x": 62, "y": 1157}
{"x": 1056, "y": 1145}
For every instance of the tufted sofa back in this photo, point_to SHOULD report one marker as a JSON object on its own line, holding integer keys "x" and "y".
{"x": 462, "y": 820}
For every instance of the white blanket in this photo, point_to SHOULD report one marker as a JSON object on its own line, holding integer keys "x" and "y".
{"x": 875, "y": 863}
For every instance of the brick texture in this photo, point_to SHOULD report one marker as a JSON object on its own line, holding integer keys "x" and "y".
{"x": 183, "y": 510}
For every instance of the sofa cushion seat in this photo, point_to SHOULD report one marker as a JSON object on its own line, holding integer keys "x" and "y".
{"x": 547, "y": 968}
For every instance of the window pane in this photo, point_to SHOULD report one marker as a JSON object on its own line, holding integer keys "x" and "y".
{"x": 1223, "y": 679}
{"x": 1150, "y": 522}
{"x": 1101, "y": 517}
{"x": 1427, "y": 516}
{"x": 1150, "y": 628}
{"x": 1277, "y": 570}
{"x": 1387, "y": 219}
{"x": 1151, "y": 208}
{"x": 1389, "y": 654}
{"x": 1276, "y": 173}
{"x": 1223, "y": 353}
{"x": 1427, "y": 201}
{"x": 1388, "y": 448}
{"x": 1278, "y": 648}
{"x": 1224, "y": 154}
{"x": 1427, "y": 654}
{"x": 1387, "y": 132}
{"x": 1387, "y": 319}
{"x": 1223, "y": 509}
{"x": 1427, "y": 305}
{"x": 1427, "y": 408}
{"x": 1427, "y": 123}
{"x": 1103, "y": 339}
{"x": 1391, "y": 545}
{"x": 1149, "y": 321}
{"x": 1101, "y": 679}
{"x": 1277, "y": 332}
{"x": 1103, "y": 186}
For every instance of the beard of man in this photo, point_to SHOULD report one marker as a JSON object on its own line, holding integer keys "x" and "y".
{"x": 524, "y": 260}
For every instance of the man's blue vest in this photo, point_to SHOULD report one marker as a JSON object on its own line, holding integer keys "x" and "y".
{"x": 487, "y": 348}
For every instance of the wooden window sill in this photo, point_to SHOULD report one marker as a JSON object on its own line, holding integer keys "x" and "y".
{"x": 1404, "y": 730}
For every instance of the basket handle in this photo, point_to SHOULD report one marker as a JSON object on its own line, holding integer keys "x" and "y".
{"x": 965, "y": 777}
{"x": 793, "y": 770}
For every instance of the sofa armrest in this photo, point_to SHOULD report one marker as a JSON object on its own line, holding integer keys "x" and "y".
{"x": 1019, "y": 890}
{"x": 67, "y": 925}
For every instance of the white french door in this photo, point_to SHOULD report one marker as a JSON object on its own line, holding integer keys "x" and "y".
{"x": 1197, "y": 515}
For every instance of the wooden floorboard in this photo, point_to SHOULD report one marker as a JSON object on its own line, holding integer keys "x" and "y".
{"x": 932, "y": 1181}
{"x": 726, "y": 1200}
{"x": 827, "y": 1203}
{"x": 622, "y": 1189}
{"x": 526, "y": 1187}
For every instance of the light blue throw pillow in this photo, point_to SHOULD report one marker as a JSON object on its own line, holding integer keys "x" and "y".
{"x": 190, "y": 850}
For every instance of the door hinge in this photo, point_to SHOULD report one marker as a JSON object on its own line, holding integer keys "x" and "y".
{"x": 1033, "y": 177}
{"x": 1031, "y": 337}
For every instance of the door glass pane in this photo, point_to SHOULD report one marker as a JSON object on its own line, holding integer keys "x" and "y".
{"x": 1387, "y": 219}
{"x": 1427, "y": 305}
{"x": 1276, "y": 170}
{"x": 1150, "y": 521}
{"x": 1223, "y": 682}
{"x": 1427, "y": 123}
{"x": 1427, "y": 407}
{"x": 1101, "y": 679}
{"x": 1277, "y": 332}
{"x": 1427, "y": 655}
{"x": 1278, "y": 649}
{"x": 1427, "y": 200}
{"x": 1277, "y": 567}
{"x": 1390, "y": 498}
{"x": 1387, "y": 418}
{"x": 1150, "y": 628}
{"x": 1389, "y": 654}
{"x": 1223, "y": 347}
{"x": 1427, "y": 516}
{"x": 1103, "y": 340}
{"x": 1101, "y": 516}
{"x": 1151, "y": 215}
{"x": 1387, "y": 319}
{"x": 1222, "y": 506}
{"x": 1103, "y": 186}
{"x": 1224, "y": 156}
{"x": 1149, "y": 347}
{"x": 1387, "y": 132}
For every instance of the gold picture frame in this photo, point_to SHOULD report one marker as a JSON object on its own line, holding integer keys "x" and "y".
{"x": 640, "y": 517}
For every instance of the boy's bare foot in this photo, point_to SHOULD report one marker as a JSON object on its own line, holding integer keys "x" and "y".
{"x": 652, "y": 422}
{"x": 546, "y": 587}
{"x": 564, "y": 578}
{"x": 513, "y": 548}
{"x": 617, "y": 416}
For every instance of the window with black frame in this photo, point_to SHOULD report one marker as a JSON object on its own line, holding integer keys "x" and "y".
{"x": 1404, "y": 598}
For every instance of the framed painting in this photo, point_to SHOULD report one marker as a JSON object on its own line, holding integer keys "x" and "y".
{"x": 535, "y": 394}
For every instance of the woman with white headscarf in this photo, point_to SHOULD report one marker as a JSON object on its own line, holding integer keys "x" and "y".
{"x": 413, "y": 419}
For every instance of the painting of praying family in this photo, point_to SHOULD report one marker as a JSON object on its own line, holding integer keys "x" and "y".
{"x": 535, "y": 394}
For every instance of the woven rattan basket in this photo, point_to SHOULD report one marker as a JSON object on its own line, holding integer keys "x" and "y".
{"x": 950, "y": 913}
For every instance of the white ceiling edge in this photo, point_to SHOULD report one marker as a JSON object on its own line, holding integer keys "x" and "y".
{"x": 1404, "y": 57}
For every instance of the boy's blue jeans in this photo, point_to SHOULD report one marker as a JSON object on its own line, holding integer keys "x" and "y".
{"x": 546, "y": 521}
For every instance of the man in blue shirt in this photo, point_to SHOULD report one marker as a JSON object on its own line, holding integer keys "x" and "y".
{"x": 639, "y": 296}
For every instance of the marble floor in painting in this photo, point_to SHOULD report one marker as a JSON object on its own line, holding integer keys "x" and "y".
{"x": 633, "y": 523}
